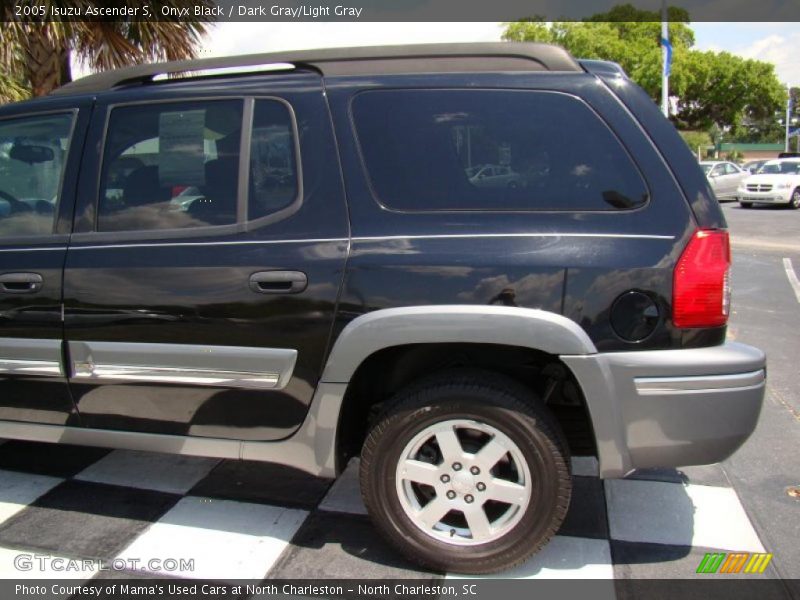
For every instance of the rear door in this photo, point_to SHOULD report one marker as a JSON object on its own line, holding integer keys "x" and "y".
{"x": 40, "y": 153}
{"x": 201, "y": 285}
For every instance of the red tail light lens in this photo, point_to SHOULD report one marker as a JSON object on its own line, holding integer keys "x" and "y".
{"x": 701, "y": 287}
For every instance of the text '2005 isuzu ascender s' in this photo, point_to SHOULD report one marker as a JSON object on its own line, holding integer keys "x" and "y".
{"x": 462, "y": 263}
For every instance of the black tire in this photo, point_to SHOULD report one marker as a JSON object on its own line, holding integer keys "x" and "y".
{"x": 494, "y": 401}
{"x": 794, "y": 202}
{"x": 745, "y": 204}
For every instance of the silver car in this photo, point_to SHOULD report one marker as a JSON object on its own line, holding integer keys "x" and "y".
{"x": 494, "y": 176}
{"x": 724, "y": 177}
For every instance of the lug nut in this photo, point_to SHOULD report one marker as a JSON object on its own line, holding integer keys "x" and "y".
{"x": 481, "y": 486}
{"x": 475, "y": 470}
{"x": 456, "y": 466}
{"x": 451, "y": 494}
{"x": 445, "y": 478}
{"x": 468, "y": 499}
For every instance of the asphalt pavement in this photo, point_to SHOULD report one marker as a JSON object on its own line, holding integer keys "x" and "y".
{"x": 765, "y": 310}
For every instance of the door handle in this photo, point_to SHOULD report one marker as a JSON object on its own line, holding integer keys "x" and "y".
{"x": 278, "y": 282}
{"x": 21, "y": 283}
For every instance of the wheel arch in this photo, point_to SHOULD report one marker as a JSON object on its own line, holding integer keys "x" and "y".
{"x": 503, "y": 325}
{"x": 379, "y": 353}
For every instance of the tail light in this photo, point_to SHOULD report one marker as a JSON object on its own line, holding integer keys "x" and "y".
{"x": 701, "y": 288}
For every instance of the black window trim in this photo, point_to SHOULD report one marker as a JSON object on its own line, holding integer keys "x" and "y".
{"x": 242, "y": 224}
{"x": 386, "y": 207}
{"x": 53, "y": 237}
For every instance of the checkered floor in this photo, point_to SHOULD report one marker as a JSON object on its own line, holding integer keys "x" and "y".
{"x": 244, "y": 520}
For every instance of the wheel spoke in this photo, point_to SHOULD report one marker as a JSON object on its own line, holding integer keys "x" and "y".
{"x": 420, "y": 472}
{"x": 506, "y": 491}
{"x": 478, "y": 522}
{"x": 433, "y": 512}
{"x": 449, "y": 445}
{"x": 487, "y": 457}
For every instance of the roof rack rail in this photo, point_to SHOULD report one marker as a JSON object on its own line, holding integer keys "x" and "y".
{"x": 422, "y": 58}
{"x": 602, "y": 67}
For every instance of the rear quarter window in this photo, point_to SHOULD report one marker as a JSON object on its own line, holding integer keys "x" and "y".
{"x": 429, "y": 150}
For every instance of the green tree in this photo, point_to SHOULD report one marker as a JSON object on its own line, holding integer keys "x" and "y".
{"x": 38, "y": 53}
{"x": 707, "y": 87}
{"x": 696, "y": 139}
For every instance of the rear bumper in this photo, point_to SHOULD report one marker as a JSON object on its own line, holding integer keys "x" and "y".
{"x": 671, "y": 408}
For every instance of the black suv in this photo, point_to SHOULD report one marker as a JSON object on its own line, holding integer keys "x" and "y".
{"x": 462, "y": 263}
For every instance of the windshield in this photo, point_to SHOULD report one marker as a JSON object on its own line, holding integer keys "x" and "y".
{"x": 706, "y": 168}
{"x": 782, "y": 168}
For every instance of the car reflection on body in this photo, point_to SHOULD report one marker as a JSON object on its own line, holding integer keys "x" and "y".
{"x": 494, "y": 176}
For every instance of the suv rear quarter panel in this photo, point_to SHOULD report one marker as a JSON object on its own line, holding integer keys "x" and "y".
{"x": 573, "y": 263}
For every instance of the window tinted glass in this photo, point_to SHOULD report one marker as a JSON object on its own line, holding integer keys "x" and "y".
{"x": 33, "y": 151}
{"x": 492, "y": 150}
{"x": 273, "y": 170}
{"x": 731, "y": 169}
{"x": 168, "y": 166}
{"x": 784, "y": 167}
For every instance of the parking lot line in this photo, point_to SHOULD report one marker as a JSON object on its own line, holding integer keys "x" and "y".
{"x": 795, "y": 283}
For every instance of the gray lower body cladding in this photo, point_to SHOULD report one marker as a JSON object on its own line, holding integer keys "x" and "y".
{"x": 671, "y": 408}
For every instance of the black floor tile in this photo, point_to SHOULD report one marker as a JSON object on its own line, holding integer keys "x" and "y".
{"x": 85, "y": 519}
{"x": 56, "y": 460}
{"x": 266, "y": 483}
{"x": 587, "y": 516}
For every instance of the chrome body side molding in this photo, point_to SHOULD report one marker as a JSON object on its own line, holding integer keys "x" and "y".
{"x": 650, "y": 386}
{"x": 226, "y": 366}
{"x": 27, "y": 356}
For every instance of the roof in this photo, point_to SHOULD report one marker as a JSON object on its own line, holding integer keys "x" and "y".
{"x": 421, "y": 58}
{"x": 745, "y": 147}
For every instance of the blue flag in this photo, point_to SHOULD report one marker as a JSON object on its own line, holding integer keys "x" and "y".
{"x": 668, "y": 62}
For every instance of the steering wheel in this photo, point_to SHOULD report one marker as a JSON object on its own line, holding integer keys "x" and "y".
{"x": 16, "y": 204}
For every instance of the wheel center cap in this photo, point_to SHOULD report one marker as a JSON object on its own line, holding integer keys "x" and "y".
{"x": 463, "y": 483}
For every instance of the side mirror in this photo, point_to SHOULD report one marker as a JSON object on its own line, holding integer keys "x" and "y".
{"x": 31, "y": 154}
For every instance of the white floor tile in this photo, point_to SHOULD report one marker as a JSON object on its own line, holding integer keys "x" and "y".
{"x": 149, "y": 470}
{"x": 28, "y": 564}
{"x": 683, "y": 515}
{"x": 227, "y": 540}
{"x": 17, "y": 490}
{"x": 585, "y": 466}
{"x": 345, "y": 494}
{"x": 565, "y": 558}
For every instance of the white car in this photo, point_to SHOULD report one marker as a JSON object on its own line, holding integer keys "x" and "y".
{"x": 724, "y": 177}
{"x": 777, "y": 182}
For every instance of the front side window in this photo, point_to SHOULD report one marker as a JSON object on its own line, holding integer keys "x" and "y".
{"x": 33, "y": 152}
{"x": 171, "y": 166}
{"x": 731, "y": 169}
{"x": 492, "y": 150}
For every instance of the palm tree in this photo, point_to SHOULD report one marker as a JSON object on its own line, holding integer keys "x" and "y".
{"x": 35, "y": 55}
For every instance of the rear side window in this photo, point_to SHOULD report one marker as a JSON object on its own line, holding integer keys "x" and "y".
{"x": 177, "y": 165}
{"x": 33, "y": 151}
{"x": 427, "y": 150}
{"x": 171, "y": 166}
{"x": 273, "y": 164}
